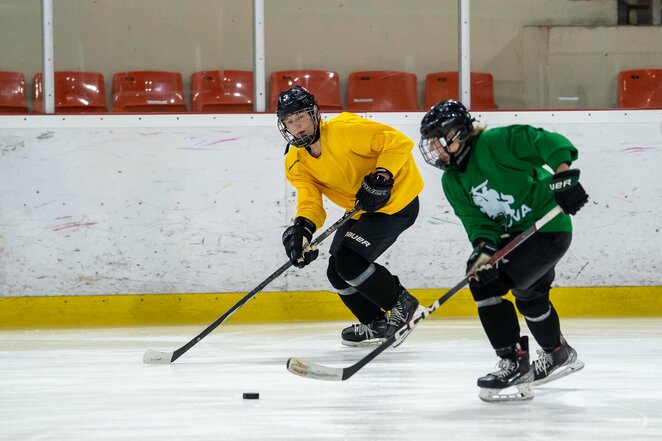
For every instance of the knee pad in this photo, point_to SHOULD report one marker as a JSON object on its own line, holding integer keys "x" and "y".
{"x": 343, "y": 288}
{"x": 539, "y": 288}
{"x": 490, "y": 294}
{"x": 536, "y": 309}
{"x": 353, "y": 268}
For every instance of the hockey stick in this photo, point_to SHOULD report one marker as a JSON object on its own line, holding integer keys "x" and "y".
{"x": 316, "y": 371}
{"x": 156, "y": 357}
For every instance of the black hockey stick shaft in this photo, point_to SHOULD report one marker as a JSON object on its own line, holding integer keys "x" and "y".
{"x": 329, "y": 231}
{"x": 499, "y": 255}
{"x": 302, "y": 368}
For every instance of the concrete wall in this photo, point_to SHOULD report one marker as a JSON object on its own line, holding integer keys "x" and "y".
{"x": 577, "y": 67}
{"x": 530, "y": 70}
{"x": 185, "y": 203}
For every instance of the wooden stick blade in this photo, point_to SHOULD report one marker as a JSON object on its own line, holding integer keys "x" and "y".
{"x": 312, "y": 370}
{"x": 156, "y": 357}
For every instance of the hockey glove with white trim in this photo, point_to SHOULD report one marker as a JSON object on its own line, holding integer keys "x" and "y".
{"x": 375, "y": 190}
{"x": 296, "y": 240}
{"x": 478, "y": 272}
{"x": 568, "y": 192}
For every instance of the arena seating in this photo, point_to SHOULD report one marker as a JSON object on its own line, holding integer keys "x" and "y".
{"x": 75, "y": 92}
{"x": 222, "y": 91}
{"x": 325, "y": 85}
{"x": 148, "y": 91}
{"x": 12, "y": 93}
{"x": 445, "y": 85}
{"x": 640, "y": 88}
{"x": 382, "y": 91}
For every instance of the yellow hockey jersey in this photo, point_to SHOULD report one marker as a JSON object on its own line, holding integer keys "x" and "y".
{"x": 352, "y": 147}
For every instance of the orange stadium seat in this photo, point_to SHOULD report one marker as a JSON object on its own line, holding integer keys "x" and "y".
{"x": 640, "y": 88}
{"x": 382, "y": 91}
{"x": 224, "y": 91}
{"x": 148, "y": 92}
{"x": 12, "y": 93}
{"x": 445, "y": 85}
{"x": 325, "y": 85}
{"x": 75, "y": 92}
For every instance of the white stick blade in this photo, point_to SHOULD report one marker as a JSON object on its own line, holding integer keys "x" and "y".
{"x": 155, "y": 357}
{"x": 316, "y": 371}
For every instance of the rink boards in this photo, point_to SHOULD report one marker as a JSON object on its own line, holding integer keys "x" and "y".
{"x": 158, "y": 309}
{"x": 138, "y": 219}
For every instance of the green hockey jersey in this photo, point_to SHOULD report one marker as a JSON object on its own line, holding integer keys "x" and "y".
{"x": 505, "y": 188}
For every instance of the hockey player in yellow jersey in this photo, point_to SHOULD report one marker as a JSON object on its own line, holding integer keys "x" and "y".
{"x": 351, "y": 160}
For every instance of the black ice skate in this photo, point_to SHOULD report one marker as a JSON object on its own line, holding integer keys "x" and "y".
{"x": 514, "y": 371}
{"x": 365, "y": 335}
{"x": 403, "y": 311}
{"x": 553, "y": 365}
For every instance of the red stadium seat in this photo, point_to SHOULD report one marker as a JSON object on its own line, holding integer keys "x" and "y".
{"x": 445, "y": 85}
{"x": 223, "y": 91}
{"x": 641, "y": 88}
{"x": 12, "y": 93}
{"x": 325, "y": 85}
{"x": 382, "y": 91}
{"x": 148, "y": 92}
{"x": 75, "y": 92}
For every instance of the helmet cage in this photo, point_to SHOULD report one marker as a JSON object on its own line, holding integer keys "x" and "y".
{"x": 296, "y": 100}
{"x": 447, "y": 122}
{"x": 302, "y": 141}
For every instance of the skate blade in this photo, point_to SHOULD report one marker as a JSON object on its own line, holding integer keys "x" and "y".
{"x": 521, "y": 392}
{"x": 363, "y": 344}
{"x": 561, "y": 372}
{"x": 419, "y": 311}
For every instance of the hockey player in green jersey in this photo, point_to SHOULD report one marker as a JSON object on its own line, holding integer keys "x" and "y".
{"x": 496, "y": 182}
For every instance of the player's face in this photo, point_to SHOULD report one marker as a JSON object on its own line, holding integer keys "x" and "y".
{"x": 442, "y": 152}
{"x": 300, "y": 124}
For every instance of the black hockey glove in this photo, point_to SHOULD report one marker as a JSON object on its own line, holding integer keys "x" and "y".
{"x": 568, "y": 192}
{"x": 478, "y": 272}
{"x": 296, "y": 240}
{"x": 375, "y": 190}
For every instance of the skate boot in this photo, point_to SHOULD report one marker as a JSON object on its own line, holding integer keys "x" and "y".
{"x": 365, "y": 335}
{"x": 405, "y": 308}
{"x": 553, "y": 365}
{"x": 514, "y": 371}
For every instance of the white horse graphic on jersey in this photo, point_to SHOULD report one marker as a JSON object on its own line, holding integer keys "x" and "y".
{"x": 493, "y": 203}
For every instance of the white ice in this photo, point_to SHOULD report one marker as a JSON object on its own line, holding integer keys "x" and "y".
{"x": 91, "y": 384}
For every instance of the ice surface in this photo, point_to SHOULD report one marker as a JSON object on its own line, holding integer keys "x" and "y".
{"x": 91, "y": 384}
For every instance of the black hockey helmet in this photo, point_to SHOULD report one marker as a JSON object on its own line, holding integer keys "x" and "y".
{"x": 294, "y": 100}
{"x": 447, "y": 121}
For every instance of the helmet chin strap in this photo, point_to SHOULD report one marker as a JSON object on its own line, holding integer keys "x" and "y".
{"x": 306, "y": 142}
{"x": 460, "y": 160}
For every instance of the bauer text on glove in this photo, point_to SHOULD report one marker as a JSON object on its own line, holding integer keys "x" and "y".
{"x": 375, "y": 190}
{"x": 568, "y": 192}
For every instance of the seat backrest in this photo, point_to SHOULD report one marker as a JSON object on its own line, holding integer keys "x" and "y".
{"x": 148, "y": 92}
{"x": 640, "y": 88}
{"x": 12, "y": 93}
{"x": 223, "y": 91}
{"x": 382, "y": 91}
{"x": 75, "y": 92}
{"x": 324, "y": 84}
{"x": 444, "y": 86}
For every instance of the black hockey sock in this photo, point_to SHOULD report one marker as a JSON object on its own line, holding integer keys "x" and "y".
{"x": 362, "y": 308}
{"x": 382, "y": 288}
{"x": 547, "y": 331}
{"x": 500, "y": 324}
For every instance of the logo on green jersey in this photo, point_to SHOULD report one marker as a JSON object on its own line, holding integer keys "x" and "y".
{"x": 495, "y": 204}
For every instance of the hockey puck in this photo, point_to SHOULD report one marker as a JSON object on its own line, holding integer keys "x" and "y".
{"x": 251, "y": 396}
